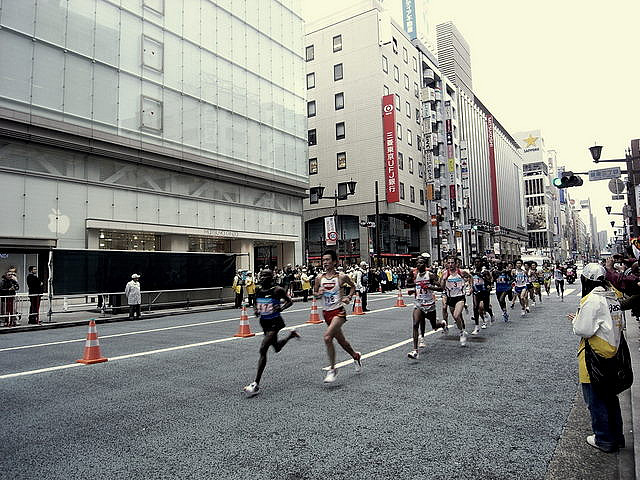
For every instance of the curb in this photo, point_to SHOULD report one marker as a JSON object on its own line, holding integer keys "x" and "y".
{"x": 633, "y": 339}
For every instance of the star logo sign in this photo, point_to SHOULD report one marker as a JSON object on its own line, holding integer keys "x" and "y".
{"x": 531, "y": 141}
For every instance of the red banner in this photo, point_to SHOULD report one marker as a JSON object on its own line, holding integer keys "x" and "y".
{"x": 390, "y": 148}
{"x": 492, "y": 172}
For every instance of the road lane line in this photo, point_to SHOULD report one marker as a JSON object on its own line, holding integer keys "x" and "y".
{"x": 151, "y": 330}
{"x": 168, "y": 349}
{"x": 569, "y": 291}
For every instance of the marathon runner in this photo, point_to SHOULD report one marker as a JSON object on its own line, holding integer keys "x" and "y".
{"x": 424, "y": 283}
{"x": 270, "y": 301}
{"x": 520, "y": 279}
{"x": 547, "y": 273}
{"x": 329, "y": 286}
{"x": 503, "y": 288}
{"x": 481, "y": 282}
{"x": 454, "y": 282}
{"x": 534, "y": 280}
{"x": 558, "y": 276}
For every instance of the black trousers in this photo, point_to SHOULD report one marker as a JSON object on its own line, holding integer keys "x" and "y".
{"x": 134, "y": 308}
{"x": 34, "y": 308}
{"x": 238, "y": 301}
{"x": 363, "y": 297}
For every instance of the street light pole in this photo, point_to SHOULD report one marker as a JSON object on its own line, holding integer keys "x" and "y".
{"x": 378, "y": 228}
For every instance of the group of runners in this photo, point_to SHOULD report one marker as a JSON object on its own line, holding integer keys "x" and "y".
{"x": 521, "y": 282}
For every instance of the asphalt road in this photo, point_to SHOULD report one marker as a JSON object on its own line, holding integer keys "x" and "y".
{"x": 169, "y": 403}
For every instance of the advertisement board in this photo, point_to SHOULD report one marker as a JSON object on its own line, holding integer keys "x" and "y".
{"x": 492, "y": 171}
{"x": 537, "y": 217}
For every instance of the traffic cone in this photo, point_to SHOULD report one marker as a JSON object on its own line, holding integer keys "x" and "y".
{"x": 357, "y": 306}
{"x": 314, "y": 317}
{"x": 399, "y": 300}
{"x": 244, "y": 330}
{"x": 92, "y": 347}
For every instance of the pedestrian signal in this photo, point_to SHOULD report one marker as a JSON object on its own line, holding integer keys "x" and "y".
{"x": 567, "y": 180}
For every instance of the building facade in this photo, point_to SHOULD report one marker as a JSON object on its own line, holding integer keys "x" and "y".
{"x": 153, "y": 125}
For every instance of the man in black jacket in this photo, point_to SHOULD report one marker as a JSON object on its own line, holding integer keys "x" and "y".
{"x": 35, "y": 287}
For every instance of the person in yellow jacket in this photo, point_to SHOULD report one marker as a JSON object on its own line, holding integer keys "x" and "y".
{"x": 599, "y": 321}
{"x": 305, "y": 281}
{"x": 238, "y": 283}
{"x": 250, "y": 286}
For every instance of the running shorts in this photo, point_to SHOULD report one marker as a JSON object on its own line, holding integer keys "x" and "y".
{"x": 453, "y": 301}
{"x": 425, "y": 308}
{"x": 431, "y": 316}
{"x": 536, "y": 284}
{"x": 272, "y": 324}
{"x": 484, "y": 297}
{"x": 519, "y": 289}
{"x": 330, "y": 314}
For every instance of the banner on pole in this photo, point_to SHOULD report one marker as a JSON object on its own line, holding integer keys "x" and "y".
{"x": 330, "y": 232}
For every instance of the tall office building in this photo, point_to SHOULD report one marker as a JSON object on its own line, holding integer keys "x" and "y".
{"x": 153, "y": 125}
{"x": 454, "y": 56}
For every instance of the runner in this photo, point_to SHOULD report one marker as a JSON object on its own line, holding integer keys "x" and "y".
{"x": 547, "y": 273}
{"x": 270, "y": 301}
{"x": 558, "y": 276}
{"x": 454, "y": 282}
{"x": 503, "y": 288}
{"x": 481, "y": 281}
{"x": 424, "y": 282}
{"x": 520, "y": 278}
{"x": 534, "y": 281}
{"x": 330, "y": 287}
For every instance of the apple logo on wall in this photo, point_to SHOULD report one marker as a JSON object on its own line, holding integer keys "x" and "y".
{"x": 58, "y": 223}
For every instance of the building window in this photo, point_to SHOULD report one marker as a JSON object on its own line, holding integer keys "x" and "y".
{"x": 405, "y": 55}
{"x": 419, "y": 142}
{"x": 411, "y": 165}
{"x": 311, "y": 80}
{"x": 421, "y": 197}
{"x": 416, "y": 90}
{"x": 337, "y": 72}
{"x": 385, "y": 64}
{"x": 407, "y": 109}
{"x": 341, "y": 159}
{"x": 337, "y": 43}
{"x": 385, "y": 90}
{"x": 311, "y": 135}
{"x": 309, "y": 51}
{"x": 409, "y": 138}
{"x": 406, "y": 82}
{"x": 400, "y": 161}
{"x": 311, "y": 109}
{"x": 399, "y": 128}
{"x": 394, "y": 45}
{"x": 156, "y": 6}
{"x": 412, "y": 194}
{"x": 339, "y": 101}
{"x": 418, "y": 116}
{"x": 313, "y": 166}
{"x": 415, "y": 64}
{"x": 401, "y": 191}
{"x": 396, "y": 74}
{"x": 397, "y": 101}
{"x": 339, "y": 131}
{"x": 420, "y": 167}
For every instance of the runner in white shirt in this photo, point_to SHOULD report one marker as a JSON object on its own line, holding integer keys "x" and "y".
{"x": 454, "y": 282}
{"x": 558, "y": 276}
{"x": 329, "y": 286}
{"x": 519, "y": 274}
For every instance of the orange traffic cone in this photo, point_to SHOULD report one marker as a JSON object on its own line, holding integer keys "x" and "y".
{"x": 244, "y": 330}
{"x": 357, "y": 306}
{"x": 399, "y": 300}
{"x": 92, "y": 347}
{"x": 314, "y": 317}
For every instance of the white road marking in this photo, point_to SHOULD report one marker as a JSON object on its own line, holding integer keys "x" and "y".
{"x": 569, "y": 291}
{"x": 161, "y": 350}
{"x": 151, "y": 330}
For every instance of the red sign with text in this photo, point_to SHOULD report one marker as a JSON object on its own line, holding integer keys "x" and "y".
{"x": 390, "y": 148}
{"x": 493, "y": 177}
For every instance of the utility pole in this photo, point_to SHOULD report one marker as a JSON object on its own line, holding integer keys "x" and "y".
{"x": 378, "y": 228}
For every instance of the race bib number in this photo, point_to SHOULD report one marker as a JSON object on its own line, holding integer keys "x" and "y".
{"x": 264, "y": 308}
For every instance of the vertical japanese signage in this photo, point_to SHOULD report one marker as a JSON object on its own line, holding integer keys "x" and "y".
{"x": 409, "y": 18}
{"x": 390, "y": 148}
{"x": 492, "y": 171}
{"x": 330, "y": 232}
{"x": 450, "y": 155}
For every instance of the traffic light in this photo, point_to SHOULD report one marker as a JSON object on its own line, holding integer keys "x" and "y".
{"x": 608, "y": 209}
{"x": 613, "y": 223}
{"x": 568, "y": 179}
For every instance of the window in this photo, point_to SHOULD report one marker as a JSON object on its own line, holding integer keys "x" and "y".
{"x": 341, "y": 159}
{"x": 411, "y": 165}
{"x": 385, "y": 90}
{"x": 401, "y": 191}
{"x": 397, "y": 101}
{"x": 309, "y": 51}
{"x": 399, "y": 128}
{"x": 419, "y": 142}
{"x": 407, "y": 109}
{"x": 311, "y": 80}
{"x": 313, "y": 166}
{"x": 406, "y": 82}
{"x": 418, "y": 116}
{"x": 311, "y": 109}
{"x": 394, "y": 45}
{"x": 421, "y": 197}
{"x": 337, "y": 72}
{"x": 396, "y": 74}
{"x": 416, "y": 91}
{"x": 339, "y": 131}
{"x": 400, "y": 161}
{"x": 420, "y": 168}
{"x": 405, "y": 55}
{"x": 385, "y": 64}
{"x": 412, "y": 195}
{"x": 337, "y": 43}
{"x": 409, "y": 138}
{"x": 311, "y": 136}
{"x": 339, "y": 101}
{"x": 415, "y": 64}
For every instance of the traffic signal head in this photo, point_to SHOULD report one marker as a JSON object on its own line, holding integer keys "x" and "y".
{"x": 613, "y": 223}
{"x": 567, "y": 180}
{"x": 608, "y": 209}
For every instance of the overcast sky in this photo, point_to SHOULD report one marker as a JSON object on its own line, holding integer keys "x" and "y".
{"x": 568, "y": 67}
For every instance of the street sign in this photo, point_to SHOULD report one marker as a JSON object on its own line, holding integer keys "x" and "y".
{"x": 604, "y": 174}
{"x": 617, "y": 197}
{"x": 367, "y": 224}
{"x": 465, "y": 227}
{"x": 496, "y": 229}
{"x": 616, "y": 186}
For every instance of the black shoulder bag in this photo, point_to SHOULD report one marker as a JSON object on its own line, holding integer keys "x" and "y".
{"x": 610, "y": 374}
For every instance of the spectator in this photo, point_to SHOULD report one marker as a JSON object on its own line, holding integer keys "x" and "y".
{"x": 305, "y": 281}
{"x": 362, "y": 284}
{"x": 250, "y": 285}
{"x": 35, "y": 286}
{"x": 8, "y": 288}
{"x": 134, "y": 297}
{"x": 237, "y": 288}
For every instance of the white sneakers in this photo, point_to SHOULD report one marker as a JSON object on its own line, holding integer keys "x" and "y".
{"x": 522, "y": 313}
{"x": 463, "y": 338}
{"x": 421, "y": 343}
{"x": 252, "y": 389}
{"x": 484, "y": 324}
{"x": 357, "y": 362}
{"x": 413, "y": 354}
{"x": 445, "y": 327}
{"x": 331, "y": 376}
{"x": 476, "y": 330}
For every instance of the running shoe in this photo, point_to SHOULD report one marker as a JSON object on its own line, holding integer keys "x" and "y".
{"x": 357, "y": 362}
{"x": 484, "y": 325}
{"x": 528, "y": 311}
{"x": 421, "y": 343}
{"x": 413, "y": 354}
{"x": 295, "y": 334}
{"x": 445, "y": 327}
{"x": 331, "y": 376}
{"x": 513, "y": 305}
{"x": 533, "y": 304}
{"x": 492, "y": 320}
{"x": 522, "y": 313}
{"x": 505, "y": 316}
{"x": 476, "y": 330}
{"x": 252, "y": 389}
{"x": 463, "y": 338}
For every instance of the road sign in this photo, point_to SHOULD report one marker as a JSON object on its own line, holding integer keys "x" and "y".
{"x": 496, "y": 229}
{"x": 617, "y": 197}
{"x": 616, "y": 186}
{"x": 367, "y": 224}
{"x": 604, "y": 174}
{"x": 465, "y": 227}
